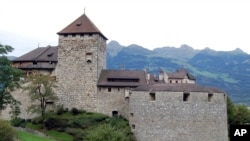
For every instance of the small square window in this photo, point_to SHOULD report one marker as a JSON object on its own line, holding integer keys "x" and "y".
{"x": 109, "y": 89}
{"x": 114, "y": 113}
{"x": 133, "y": 126}
{"x": 210, "y": 96}
{"x": 132, "y": 114}
{"x": 186, "y": 96}
{"x": 152, "y": 96}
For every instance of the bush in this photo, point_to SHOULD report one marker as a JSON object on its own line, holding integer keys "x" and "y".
{"x": 59, "y": 110}
{"x": 105, "y": 132}
{"x": 76, "y": 133}
{"x": 18, "y": 122}
{"x": 66, "y": 110}
{"x": 37, "y": 120}
{"x": 51, "y": 123}
{"x": 74, "y": 111}
{"x": 7, "y": 133}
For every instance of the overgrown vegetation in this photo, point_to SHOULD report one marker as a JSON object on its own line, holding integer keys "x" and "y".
{"x": 7, "y": 133}
{"x": 79, "y": 125}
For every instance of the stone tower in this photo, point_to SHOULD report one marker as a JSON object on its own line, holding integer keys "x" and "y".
{"x": 81, "y": 57}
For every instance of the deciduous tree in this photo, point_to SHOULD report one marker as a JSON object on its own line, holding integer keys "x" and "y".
{"x": 9, "y": 77}
{"x": 40, "y": 89}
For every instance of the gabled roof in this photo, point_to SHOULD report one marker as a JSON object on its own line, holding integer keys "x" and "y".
{"x": 46, "y": 54}
{"x": 122, "y": 78}
{"x": 82, "y": 25}
{"x": 180, "y": 74}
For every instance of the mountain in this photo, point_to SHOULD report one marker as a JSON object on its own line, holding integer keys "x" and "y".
{"x": 183, "y": 53}
{"x": 11, "y": 57}
{"x": 228, "y": 70}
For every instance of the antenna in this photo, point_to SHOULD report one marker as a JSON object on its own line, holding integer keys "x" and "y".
{"x": 38, "y": 45}
{"x": 84, "y": 9}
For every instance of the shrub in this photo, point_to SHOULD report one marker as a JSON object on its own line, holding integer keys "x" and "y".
{"x": 76, "y": 133}
{"x": 51, "y": 123}
{"x": 37, "y": 120}
{"x": 105, "y": 132}
{"x": 66, "y": 110}
{"x": 18, "y": 122}
{"x": 74, "y": 111}
{"x": 59, "y": 110}
{"x": 7, "y": 133}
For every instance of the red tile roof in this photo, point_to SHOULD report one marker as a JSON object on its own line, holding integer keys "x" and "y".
{"x": 82, "y": 25}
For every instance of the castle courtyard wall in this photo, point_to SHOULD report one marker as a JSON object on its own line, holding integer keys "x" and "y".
{"x": 24, "y": 98}
{"x": 114, "y": 100}
{"x": 169, "y": 118}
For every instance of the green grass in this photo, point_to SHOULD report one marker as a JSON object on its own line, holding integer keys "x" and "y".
{"x": 34, "y": 126}
{"x": 62, "y": 136}
{"x": 24, "y": 136}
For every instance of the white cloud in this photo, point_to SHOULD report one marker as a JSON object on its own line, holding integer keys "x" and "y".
{"x": 218, "y": 24}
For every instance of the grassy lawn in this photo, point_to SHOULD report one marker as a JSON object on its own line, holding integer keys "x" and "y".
{"x": 24, "y": 136}
{"x": 62, "y": 136}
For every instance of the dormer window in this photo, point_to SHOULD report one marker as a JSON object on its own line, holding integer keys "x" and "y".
{"x": 49, "y": 55}
{"x": 78, "y": 23}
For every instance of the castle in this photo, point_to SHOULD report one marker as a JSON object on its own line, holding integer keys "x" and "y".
{"x": 167, "y": 107}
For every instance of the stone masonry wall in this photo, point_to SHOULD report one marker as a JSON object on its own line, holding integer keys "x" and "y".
{"x": 77, "y": 77}
{"x": 24, "y": 98}
{"x": 112, "y": 101}
{"x": 169, "y": 118}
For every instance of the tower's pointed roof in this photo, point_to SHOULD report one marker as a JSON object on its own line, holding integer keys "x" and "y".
{"x": 82, "y": 25}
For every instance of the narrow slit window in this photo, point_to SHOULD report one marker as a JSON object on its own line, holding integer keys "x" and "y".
{"x": 186, "y": 96}
{"x": 133, "y": 126}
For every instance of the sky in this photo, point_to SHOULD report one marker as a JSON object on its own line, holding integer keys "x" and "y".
{"x": 222, "y": 25}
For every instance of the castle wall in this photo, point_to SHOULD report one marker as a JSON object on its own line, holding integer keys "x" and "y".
{"x": 24, "y": 98}
{"x": 114, "y": 100}
{"x": 166, "y": 117}
{"x": 80, "y": 61}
